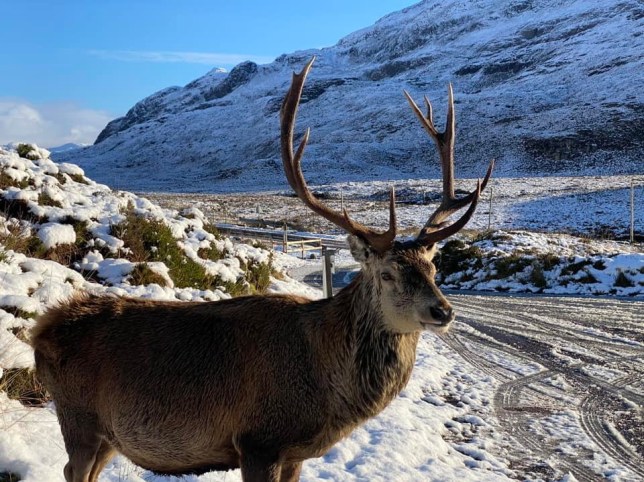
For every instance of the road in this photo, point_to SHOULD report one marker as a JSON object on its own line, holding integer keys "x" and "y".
{"x": 571, "y": 373}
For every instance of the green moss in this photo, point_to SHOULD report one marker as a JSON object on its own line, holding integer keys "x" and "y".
{"x": 455, "y": 256}
{"x": 537, "y": 276}
{"x": 152, "y": 240}
{"x": 142, "y": 274}
{"x": 574, "y": 268}
{"x": 510, "y": 265}
{"x": 238, "y": 288}
{"x": 258, "y": 276}
{"x": 211, "y": 253}
{"x": 210, "y": 228}
{"x": 18, "y": 313}
{"x": 45, "y": 200}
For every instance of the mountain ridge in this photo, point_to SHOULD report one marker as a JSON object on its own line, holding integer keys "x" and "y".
{"x": 544, "y": 86}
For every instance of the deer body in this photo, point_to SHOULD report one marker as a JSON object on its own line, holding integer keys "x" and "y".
{"x": 263, "y": 382}
{"x": 159, "y": 372}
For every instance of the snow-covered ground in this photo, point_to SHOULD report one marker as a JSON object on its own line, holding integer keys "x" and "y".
{"x": 444, "y": 426}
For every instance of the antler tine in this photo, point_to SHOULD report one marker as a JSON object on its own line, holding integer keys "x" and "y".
{"x": 444, "y": 140}
{"x": 380, "y": 242}
{"x": 445, "y": 144}
{"x": 430, "y": 235}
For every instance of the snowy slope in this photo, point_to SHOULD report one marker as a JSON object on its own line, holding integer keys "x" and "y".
{"x": 544, "y": 86}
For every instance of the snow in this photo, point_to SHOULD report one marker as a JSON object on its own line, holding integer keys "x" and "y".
{"x": 441, "y": 427}
{"x": 53, "y": 234}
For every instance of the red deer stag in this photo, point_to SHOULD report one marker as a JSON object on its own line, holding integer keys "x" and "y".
{"x": 261, "y": 382}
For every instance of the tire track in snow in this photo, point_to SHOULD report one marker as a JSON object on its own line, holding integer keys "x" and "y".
{"x": 526, "y": 328}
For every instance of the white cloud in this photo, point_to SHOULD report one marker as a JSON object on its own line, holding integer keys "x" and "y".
{"x": 209, "y": 58}
{"x": 50, "y": 124}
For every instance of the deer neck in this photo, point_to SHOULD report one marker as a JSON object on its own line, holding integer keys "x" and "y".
{"x": 376, "y": 363}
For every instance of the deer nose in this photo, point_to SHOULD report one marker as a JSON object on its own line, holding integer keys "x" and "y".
{"x": 441, "y": 313}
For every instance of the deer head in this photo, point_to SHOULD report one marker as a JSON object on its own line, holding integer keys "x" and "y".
{"x": 400, "y": 274}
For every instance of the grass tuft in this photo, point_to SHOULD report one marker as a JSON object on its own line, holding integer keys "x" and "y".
{"x": 46, "y": 200}
{"x": 6, "y": 181}
{"x": 79, "y": 178}
{"x": 9, "y": 477}
{"x": 21, "y": 384}
{"x": 599, "y": 265}
{"x": 537, "y": 276}
{"x": 574, "y": 268}
{"x": 27, "y": 151}
{"x": 623, "y": 281}
{"x": 587, "y": 278}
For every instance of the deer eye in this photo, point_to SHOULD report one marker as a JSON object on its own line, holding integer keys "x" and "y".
{"x": 386, "y": 276}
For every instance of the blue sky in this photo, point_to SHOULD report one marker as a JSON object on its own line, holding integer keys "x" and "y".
{"x": 70, "y": 66}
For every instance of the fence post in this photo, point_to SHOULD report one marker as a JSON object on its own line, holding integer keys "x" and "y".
{"x": 489, "y": 219}
{"x": 327, "y": 274}
{"x": 632, "y": 212}
{"x": 285, "y": 239}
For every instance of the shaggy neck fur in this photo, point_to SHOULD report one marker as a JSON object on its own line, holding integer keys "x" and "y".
{"x": 375, "y": 364}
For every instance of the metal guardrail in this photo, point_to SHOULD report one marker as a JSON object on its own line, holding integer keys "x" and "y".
{"x": 305, "y": 241}
{"x": 280, "y": 236}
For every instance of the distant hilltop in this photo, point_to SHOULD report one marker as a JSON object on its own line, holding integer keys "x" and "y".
{"x": 545, "y": 87}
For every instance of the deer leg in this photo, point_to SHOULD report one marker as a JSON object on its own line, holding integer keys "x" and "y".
{"x": 259, "y": 462}
{"x": 103, "y": 456}
{"x": 82, "y": 443}
{"x": 259, "y": 468}
{"x": 291, "y": 472}
{"x": 81, "y": 460}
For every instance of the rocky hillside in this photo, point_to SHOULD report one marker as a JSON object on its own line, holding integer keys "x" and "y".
{"x": 544, "y": 86}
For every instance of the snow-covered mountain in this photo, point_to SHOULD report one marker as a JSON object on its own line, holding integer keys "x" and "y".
{"x": 543, "y": 86}
{"x": 70, "y": 146}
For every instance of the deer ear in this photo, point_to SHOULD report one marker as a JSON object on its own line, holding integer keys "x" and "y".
{"x": 360, "y": 250}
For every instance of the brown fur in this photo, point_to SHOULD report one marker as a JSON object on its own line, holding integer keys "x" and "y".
{"x": 260, "y": 383}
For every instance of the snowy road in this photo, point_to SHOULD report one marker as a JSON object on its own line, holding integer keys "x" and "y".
{"x": 571, "y": 373}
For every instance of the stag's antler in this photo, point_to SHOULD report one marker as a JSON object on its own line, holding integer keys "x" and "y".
{"x": 435, "y": 229}
{"x": 381, "y": 242}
